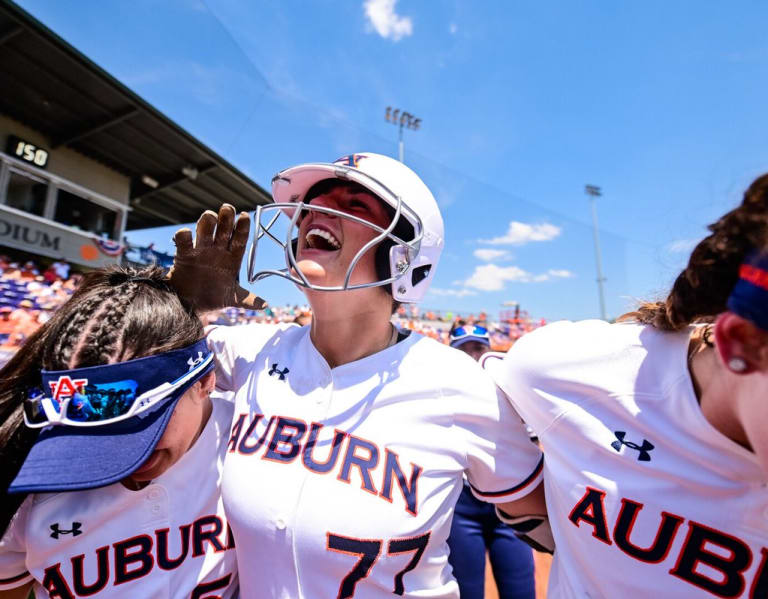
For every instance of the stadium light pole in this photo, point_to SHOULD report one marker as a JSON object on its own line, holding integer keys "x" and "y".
{"x": 401, "y": 118}
{"x": 593, "y": 191}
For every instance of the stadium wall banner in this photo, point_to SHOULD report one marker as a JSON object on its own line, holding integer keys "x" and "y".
{"x": 30, "y": 233}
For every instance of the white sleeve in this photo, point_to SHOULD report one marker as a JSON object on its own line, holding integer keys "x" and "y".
{"x": 502, "y": 462}
{"x": 13, "y": 551}
{"x": 233, "y": 346}
{"x": 220, "y": 342}
{"x": 526, "y": 374}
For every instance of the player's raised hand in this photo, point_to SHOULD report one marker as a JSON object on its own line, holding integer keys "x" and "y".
{"x": 206, "y": 269}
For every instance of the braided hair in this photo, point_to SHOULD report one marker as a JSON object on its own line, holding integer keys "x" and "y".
{"x": 700, "y": 291}
{"x": 116, "y": 314}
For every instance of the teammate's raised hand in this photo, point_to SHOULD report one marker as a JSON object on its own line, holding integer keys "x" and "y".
{"x": 206, "y": 269}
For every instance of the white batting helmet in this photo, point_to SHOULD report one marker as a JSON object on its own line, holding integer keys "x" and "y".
{"x": 412, "y": 261}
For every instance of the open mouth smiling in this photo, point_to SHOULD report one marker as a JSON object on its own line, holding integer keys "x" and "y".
{"x": 321, "y": 239}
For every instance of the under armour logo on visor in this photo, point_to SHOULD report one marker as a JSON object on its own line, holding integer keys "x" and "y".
{"x": 281, "y": 373}
{"x": 74, "y": 531}
{"x": 643, "y": 449}
{"x": 192, "y": 362}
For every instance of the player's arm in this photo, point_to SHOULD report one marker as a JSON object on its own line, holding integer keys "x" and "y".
{"x": 532, "y": 504}
{"x": 21, "y": 592}
{"x": 527, "y": 516}
{"x": 206, "y": 268}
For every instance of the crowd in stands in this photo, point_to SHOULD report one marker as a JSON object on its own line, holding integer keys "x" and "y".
{"x": 431, "y": 323}
{"x": 29, "y": 295}
{"x": 299, "y": 315}
{"x": 146, "y": 254}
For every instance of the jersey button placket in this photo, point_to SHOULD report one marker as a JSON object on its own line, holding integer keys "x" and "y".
{"x": 156, "y": 499}
{"x": 323, "y": 395}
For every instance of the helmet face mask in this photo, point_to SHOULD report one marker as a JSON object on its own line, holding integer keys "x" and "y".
{"x": 292, "y": 272}
{"x": 411, "y": 261}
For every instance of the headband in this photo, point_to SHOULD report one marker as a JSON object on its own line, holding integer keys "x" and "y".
{"x": 749, "y": 297}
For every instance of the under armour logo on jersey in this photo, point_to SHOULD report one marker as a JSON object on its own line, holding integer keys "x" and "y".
{"x": 192, "y": 362}
{"x": 643, "y": 449}
{"x": 74, "y": 531}
{"x": 281, "y": 373}
{"x": 350, "y": 160}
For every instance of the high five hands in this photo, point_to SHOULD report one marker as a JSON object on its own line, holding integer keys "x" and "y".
{"x": 206, "y": 269}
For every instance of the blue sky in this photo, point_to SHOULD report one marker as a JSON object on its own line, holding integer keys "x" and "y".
{"x": 661, "y": 104}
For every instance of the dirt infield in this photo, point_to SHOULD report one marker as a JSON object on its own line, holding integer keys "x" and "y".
{"x": 542, "y": 562}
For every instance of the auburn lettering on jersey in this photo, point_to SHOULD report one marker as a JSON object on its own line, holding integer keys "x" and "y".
{"x": 285, "y": 439}
{"x": 133, "y": 558}
{"x": 709, "y": 559}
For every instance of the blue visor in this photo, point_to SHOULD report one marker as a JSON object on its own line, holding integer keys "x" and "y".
{"x": 101, "y": 423}
{"x": 462, "y": 335}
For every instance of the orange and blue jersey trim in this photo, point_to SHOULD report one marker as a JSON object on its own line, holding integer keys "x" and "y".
{"x": 533, "y": 477}
{"x": 13, "y": 579}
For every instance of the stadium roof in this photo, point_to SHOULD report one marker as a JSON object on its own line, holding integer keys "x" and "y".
{"x": 50, "y": 86}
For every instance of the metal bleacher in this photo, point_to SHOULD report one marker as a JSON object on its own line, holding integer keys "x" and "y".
{"x": 13, "y": 292}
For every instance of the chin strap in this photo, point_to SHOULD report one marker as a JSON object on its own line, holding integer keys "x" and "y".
{"x": 533, "y": 530}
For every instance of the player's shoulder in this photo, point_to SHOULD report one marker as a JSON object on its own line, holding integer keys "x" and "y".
{"x": 591, "y": 350}
{"x": 215, "y": 434}
{"x": 223, "y": 408}
{"x": 253, "y": 330}
{"x": 426, "y": 349}
{"x": 448, "y": 368}
{"x": 246, "y": 338}
{"x": 15, "y": 531}
{"x": 566, "y": 341}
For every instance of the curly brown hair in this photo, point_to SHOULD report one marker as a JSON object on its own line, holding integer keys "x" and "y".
{"x": 700, "y": 291}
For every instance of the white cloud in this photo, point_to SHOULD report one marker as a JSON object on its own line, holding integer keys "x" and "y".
{"x": 388, "y": 24}
{"x": 487, "y": 254}
{"x": 521, "y": 233}
{"x": 491, "y": 277}
{"x": 453, "y": 28}
{"x": 451, "y": 292}
{"x": 682, "y": 246}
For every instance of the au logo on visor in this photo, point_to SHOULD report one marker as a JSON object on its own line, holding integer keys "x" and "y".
{"x": 65, "y": 386}
{"x": 77, "y": 399}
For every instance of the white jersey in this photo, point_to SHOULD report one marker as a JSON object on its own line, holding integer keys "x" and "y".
{"x": 170, "y": 539}
{"x": 645, "y": 497}
{"x": 342, "y": 482}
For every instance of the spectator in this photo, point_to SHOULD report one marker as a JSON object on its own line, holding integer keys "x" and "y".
{"x": 61, "y": 269}
{"x": 29, "y": 270}
{"x": 7, "y": 326}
